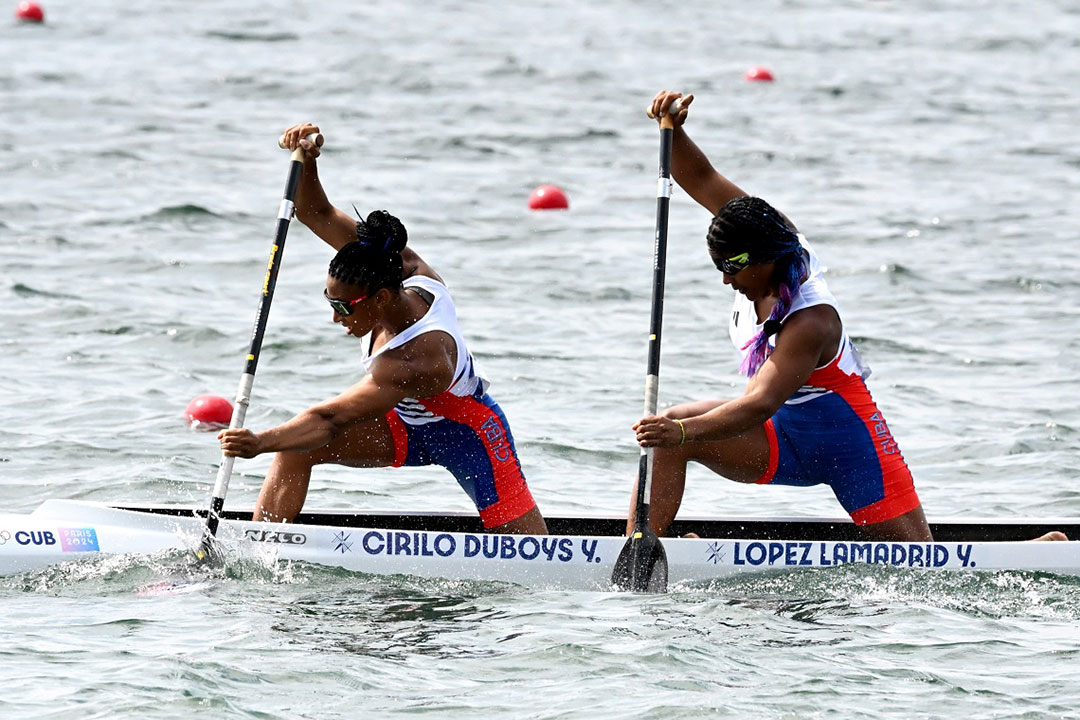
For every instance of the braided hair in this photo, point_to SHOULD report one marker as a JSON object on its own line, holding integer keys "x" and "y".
{"x": 749, "y": 224}
{"x": 373, "y": 260}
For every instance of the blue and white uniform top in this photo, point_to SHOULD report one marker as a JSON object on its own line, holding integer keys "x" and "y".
{"x": 441, "y": 316}
{"x": 744, "y": 325}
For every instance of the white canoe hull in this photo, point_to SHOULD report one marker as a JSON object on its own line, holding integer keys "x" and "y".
{"x": 63, "y": 531}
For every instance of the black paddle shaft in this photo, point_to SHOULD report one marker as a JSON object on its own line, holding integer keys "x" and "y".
{"x": 247, "y": 378}
{"x": 272, "y": 267}
{"x": 656, "y": 317}
{"x": 642, "y": 564}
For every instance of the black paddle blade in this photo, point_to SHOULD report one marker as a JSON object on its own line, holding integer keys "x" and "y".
{"x": 642, "y": 565}
{"x": 208, "y": 554}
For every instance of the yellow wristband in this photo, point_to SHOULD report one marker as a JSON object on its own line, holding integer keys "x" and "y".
{"x": 682, "y": 429}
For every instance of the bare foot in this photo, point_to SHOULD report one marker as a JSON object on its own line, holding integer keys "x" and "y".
{"x": 1053, "y": 536}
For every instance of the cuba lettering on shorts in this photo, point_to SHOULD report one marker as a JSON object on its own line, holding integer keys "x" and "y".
{"x": 473, "y": 442}
{"x": 841, "y": 439}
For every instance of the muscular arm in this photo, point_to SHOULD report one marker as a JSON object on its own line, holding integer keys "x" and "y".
{"x": 689, "y": 166}
{"x": 807, "y": 336}
{"x": 810, "y": 337}
{"x": 338, "y": 229}
{"x": 335, "y": 227}
{"x": 421, "y": 368}
{"x": 313, "y": 209}
{"x": 317, "y": 426}
{"x": 696, "y": 175}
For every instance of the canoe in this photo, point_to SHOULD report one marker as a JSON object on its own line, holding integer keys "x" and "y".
{"x": 579, "y": 554}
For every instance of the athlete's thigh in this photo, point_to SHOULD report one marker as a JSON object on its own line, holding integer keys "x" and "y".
{"x": 365, "y": 443}
{"x": 743, "y": 458}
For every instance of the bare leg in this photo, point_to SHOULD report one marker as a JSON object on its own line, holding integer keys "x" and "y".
{"x": 912, "y": 527}
{"x": 1052, "y": 536}
{"x": 284, "y": 489}
{"x": 909, "y": 527}
{"x": 743, "y": 458}
{"x": 531, "y": 523}
{"x": 364, "y": 444}
{"x": 668, "y": 485}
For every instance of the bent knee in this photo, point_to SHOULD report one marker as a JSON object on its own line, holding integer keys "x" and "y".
{"x": 300, "y": 458}
{"x": 675, "y": 455}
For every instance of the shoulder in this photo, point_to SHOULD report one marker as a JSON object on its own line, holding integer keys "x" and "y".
{"x": 412, "y": 265}
{"x": 425, "y": 282}
{"x": 815, "y": 325}
{"x": 421, "y": 365}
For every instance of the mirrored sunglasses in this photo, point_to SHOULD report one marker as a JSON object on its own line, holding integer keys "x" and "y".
{"x": 733, "y": 265}
{"x": 343, "y": 307}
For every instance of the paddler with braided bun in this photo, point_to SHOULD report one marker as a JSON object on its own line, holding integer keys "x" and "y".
{"x": 422, "y": 401}
{"x": 806, "y": 417}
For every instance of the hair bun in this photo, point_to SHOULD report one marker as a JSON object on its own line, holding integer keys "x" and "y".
{"x": 383, "y": 232}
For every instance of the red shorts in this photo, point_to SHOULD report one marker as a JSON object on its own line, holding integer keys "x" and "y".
{"x": 473, "y": 442}
{"x": 841, "y": 440}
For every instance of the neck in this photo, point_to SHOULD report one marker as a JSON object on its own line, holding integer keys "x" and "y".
{"x": 403, "y": 309}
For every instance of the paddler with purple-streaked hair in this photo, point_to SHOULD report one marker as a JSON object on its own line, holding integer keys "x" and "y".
{"x": 807, "y": 416}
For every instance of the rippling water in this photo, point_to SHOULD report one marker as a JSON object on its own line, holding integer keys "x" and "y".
{"x": 930, "y": 151}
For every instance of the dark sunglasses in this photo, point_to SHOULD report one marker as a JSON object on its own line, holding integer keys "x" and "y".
{"x": 343, "y": 308}
{"x": 733, "y": 265}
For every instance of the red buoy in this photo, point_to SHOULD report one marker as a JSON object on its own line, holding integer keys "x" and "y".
{"x": 759, "y": 74}
{"x": 209, "y": 412}
{"x": 29, "y": 12}
{"x": 548, "y": 197}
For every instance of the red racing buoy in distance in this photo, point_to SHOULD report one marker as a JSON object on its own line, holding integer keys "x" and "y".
{"x": 29, "y": 12}
{"x": 208, "y": 412}
{"x": 759, "y": 74}
{"x": 548, "y": 197}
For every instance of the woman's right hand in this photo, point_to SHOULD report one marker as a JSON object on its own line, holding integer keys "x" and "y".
{"x": 240, "y": 442}
{"x": 663, "y": 99}
{"x": 294, "y": 138}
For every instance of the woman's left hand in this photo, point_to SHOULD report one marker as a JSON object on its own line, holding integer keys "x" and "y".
{"x": 657, "y": 431}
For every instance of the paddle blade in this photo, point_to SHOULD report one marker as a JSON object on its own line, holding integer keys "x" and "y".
{"x": 642, "y": 565}
{"x": 208, "y": 554}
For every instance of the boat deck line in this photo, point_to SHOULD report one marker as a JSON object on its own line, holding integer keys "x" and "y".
{"x": 965, "y": 530}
